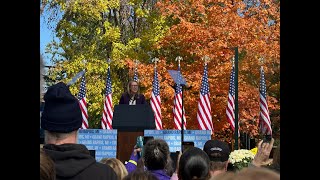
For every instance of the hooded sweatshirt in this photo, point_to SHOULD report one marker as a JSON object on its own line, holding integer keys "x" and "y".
{"x": 73, "y": 161}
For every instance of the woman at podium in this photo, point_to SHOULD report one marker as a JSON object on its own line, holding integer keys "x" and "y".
{"x": 132, "y": 96}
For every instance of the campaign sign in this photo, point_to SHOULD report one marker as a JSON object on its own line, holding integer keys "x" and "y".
{"x": 103, "y": 141}
{"x": 173, "y": 137}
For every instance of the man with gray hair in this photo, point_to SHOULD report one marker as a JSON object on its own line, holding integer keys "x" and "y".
{"x": 61, "y": 119}
{"x": 218, "y": 152}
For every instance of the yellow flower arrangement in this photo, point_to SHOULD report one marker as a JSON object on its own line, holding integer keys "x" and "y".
{"x": 241, "y": 158}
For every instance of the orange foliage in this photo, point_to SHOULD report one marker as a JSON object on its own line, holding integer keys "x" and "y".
{"x": 205, "y": 28}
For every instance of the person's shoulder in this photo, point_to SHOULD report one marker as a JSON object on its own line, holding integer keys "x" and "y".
{"x": 125, "y": 94}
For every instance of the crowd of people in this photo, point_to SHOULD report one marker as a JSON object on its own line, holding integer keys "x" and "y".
{"x": 61, "y": 157}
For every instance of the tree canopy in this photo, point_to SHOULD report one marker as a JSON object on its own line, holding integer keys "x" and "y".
{"x": 91, "y": 31}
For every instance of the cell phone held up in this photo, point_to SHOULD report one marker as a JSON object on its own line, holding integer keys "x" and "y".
{"x": 141, "y": 141}
{"x": 266, "y": 139}
{"x": 140, "y": 144}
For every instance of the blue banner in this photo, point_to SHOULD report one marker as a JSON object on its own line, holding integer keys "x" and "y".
{"x": 103, "y": 141}
{"x": 173, "y": 137}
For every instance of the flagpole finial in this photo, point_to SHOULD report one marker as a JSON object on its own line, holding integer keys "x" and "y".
{"x": 178, "y": 58}
{"x": 136, "y": 62}
{"x": 84, "y": 61}
{"x": 261, "y": 61}
{"x": 155, "y": 60}
{"x": 109, "y": 60}
{"x": 206, "y": 59}
{"x": 232, "y": 60}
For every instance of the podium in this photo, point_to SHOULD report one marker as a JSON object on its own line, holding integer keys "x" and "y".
{"x": 130, "y": 122}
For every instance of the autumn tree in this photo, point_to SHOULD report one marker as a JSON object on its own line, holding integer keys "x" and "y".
{"x": 214, "y": 28}
{"x": 91, "y": 31}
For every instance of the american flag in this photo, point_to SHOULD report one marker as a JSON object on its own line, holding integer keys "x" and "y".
{"x": 264, "y": 120}
{"x": 231, "y": 97}
{"x": 155, "y": 101}
{"x": 204, "y": 107}
{"x": 177, "y": 108}
{"x": 106, "y": 121}
{"x": 83, "y": 103}
{"x": 135, "y": 76}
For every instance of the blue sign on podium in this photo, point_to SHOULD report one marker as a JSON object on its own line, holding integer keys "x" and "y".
{"x": 173, "y": 137}
{"x": 103, "y": 141}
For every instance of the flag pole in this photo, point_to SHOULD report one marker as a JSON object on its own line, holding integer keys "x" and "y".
{"x": 236, "y": 124}
{"x": 179, "y": 58}
{"x": 206, "y": 59}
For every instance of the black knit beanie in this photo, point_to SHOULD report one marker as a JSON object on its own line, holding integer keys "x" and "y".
{"x": 61, "y": 110}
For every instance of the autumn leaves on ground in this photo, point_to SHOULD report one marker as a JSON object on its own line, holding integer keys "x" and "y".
{"x": 90, "y": 31}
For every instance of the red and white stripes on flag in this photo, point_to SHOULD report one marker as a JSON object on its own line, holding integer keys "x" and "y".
{"x": 204, "y": 108}
{"x": 264, "y": 120}
{"x": 231, "y": 96}
{"x": 107, "y": 114}
{"x": 177, "y": 108}
{"x": 155, "y": 101}
{"x": 83, "y": 103}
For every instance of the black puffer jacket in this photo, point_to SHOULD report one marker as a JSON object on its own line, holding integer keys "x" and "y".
{"x": 73, "y": 161}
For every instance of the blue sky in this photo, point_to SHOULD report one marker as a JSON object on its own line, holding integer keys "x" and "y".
{"x": 46, "y": 35}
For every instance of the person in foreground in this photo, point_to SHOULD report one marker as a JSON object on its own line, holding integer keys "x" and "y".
{"x": 249, "y": 174}
{"x": 140, "y": 175}
{"x": 218, "y": 152}
{"x": 47, "y": 169}
{"x": 194, "y": 163}
{"x": 117, "y": 166}
{"x": 61, "y": 119}
{"x": 156, "y": 159}
{"x": 132, "y": 96}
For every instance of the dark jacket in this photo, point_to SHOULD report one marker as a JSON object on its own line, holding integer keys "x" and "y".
{"x": 73, "y": 161}
{"x": 125, "y": 98}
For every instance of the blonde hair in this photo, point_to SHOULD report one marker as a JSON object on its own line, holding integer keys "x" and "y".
{"x": 117, "y": 166}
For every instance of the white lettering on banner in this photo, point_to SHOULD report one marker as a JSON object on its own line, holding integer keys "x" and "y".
{"x": 200, "y": 132}
{"x": 173, "y": 137}
{"x": 177, "y": 143}
{"x": 107, "y": 147}
{"x": 103, "y": 141}
{"x": 189, "y": 138}
{"x": 90, "y": 147}
{"x": 97, "y": 142}
{"x": 81, "y": 136}
{"x": 96, "y": 136}
{"x": 201, "y": 138}
{"x": 105, "y": 154}
{"x": 85, "y": 141}
{"x": 108, "y": 137}
{"x": 174, "y": 149}
{"x": 169, "y": 137}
